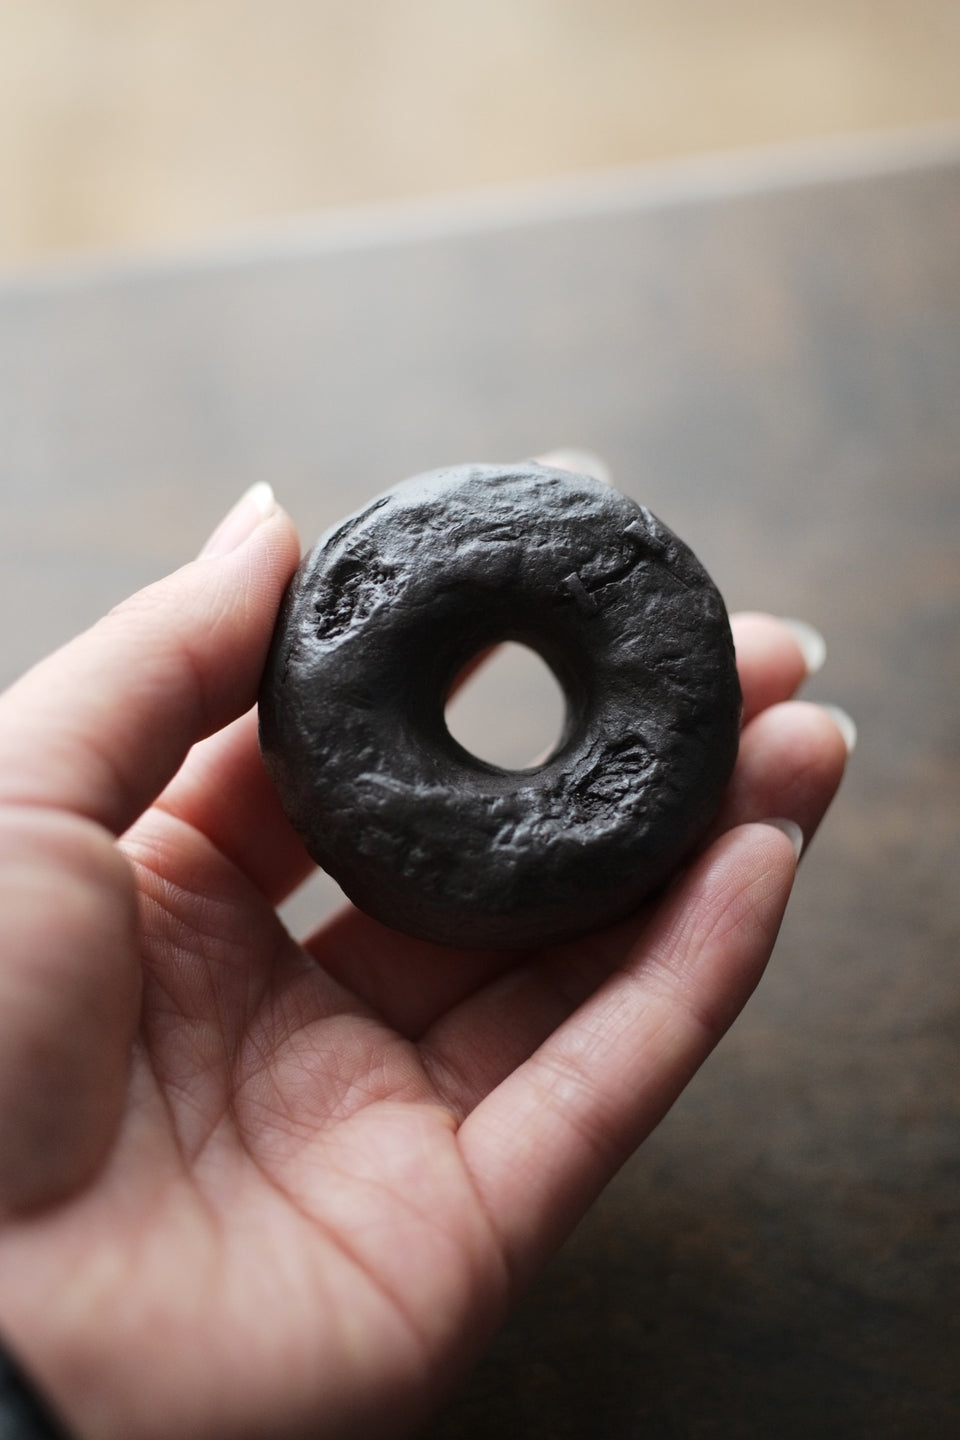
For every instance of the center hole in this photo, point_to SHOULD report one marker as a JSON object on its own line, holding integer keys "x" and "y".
{"x": 510, "y": 711}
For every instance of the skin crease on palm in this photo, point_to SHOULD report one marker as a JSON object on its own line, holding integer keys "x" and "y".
{"x": 250, "y": 1186}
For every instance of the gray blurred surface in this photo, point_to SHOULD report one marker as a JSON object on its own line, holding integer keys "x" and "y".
{"x": 775, "y": 370}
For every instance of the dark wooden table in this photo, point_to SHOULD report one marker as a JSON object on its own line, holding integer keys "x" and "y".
{"x": 769, "y": 357}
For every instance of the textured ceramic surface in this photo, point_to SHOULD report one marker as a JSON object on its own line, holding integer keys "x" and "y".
{"x": 382, "y": 617}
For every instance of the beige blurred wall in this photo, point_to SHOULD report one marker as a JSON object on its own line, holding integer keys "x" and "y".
{"x": 152, "y": 123}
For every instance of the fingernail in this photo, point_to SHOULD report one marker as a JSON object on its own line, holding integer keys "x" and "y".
{"x": 792, "y": 830}
{"x": 239, "y": 523}
{"x": 581, "y": 462}
{"x": 811, "y": 643}
{"x": 845, "y": 725}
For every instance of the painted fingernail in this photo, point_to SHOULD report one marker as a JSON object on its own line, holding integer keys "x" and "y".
{"x": 239, "y": 523}
{"x": 811, "y": 643}
{"x": 845, "y": 725}
{"x": 580, "y": 462}
{"x": 792, "y": 830}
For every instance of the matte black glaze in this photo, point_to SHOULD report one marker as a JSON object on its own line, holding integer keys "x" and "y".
{"x": 378, "y": 622}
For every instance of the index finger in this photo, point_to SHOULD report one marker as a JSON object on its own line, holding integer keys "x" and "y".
{"x": 99, "y": 727}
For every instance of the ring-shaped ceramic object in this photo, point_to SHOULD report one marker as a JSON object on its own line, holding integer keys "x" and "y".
{"x": 381, "y": 618}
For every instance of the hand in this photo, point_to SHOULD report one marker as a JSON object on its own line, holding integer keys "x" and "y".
{"x": 254, "y": 1187}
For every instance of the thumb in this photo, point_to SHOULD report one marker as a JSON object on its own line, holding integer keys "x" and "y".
{"x": 69, "y": 1000}
{"x": 87, "y": 739}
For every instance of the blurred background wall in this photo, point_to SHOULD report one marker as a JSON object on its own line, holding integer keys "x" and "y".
{"x": 130, "y": 124}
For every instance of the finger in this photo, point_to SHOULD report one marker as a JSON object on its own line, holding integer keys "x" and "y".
{"x": 100, "y": 727}
{"x": 774, "y": 657}
{"x": 791, "y": 763}
{"x": 223, "y": 790}
{"x": 96, "y": 729}
{"x": 542, "y": 1145}
{"x": 69, "y": 1000}
{"x": 579, "y": 462}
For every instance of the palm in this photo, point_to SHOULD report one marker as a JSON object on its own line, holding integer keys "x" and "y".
{"x": 307, "y": 1199}
{"x": 283, "y": 1133}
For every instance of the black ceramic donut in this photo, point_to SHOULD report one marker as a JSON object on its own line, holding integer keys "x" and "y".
{"x": 380, "y": 619}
